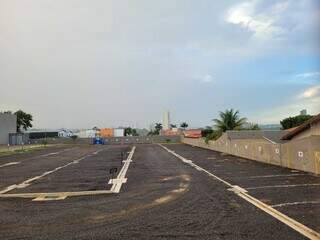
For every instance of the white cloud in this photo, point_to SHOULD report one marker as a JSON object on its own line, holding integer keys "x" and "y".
{"x": 207, "y": 78}
{"x": 308, "y": 75}
{"x": 263, "y": 23}
{"x": 310, "y": 92}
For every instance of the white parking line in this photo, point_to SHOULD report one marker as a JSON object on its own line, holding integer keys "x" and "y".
{"x": 54, "y": 195}
{"x": 121, "y": 178}
{"x": 295, "y": 203}
{"x": 284, "y": 186}
{"x": 304, "y": 230}
{"x": 28, "y": 182}
{"x": 278, "y": 175}
{"x": 9, "y": 164}
{"x": 56, "y": 153}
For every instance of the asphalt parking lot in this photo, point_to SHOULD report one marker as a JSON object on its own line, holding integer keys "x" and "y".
{"x": 294, "y": 193}
{"x": 161, "y": 197}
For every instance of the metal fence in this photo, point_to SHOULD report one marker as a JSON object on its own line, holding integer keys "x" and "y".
{"x": 113, "y": 140}
{"x": 18, "y": 139}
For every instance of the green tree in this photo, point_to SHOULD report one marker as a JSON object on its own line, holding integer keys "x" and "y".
{"x": 158, "y": 127}
{"x": 215, "y": 134}
{"x": 207, "y": 131}
{"x": 229, "y": 120}
{"x": 291, "y": 122}
{"x": 23, "y": 120}
{"x": 173, "y": 125}
{"x": 134, "y": 132}
{"x": 184, "y": 125}
{"x": 130, "y": 132}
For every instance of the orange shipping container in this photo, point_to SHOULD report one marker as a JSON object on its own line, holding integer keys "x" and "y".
{"x": 107, "y": 132}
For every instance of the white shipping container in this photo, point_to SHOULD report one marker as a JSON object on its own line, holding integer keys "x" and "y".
{"x": 86, "y": 133}
{"x": 119, "y": 132}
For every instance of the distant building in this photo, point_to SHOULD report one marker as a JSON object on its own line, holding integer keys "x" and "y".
{"x": 303, "y": 112}
{"x": 86, "y": 133}
{"x": 65, "y": 133}
{"x": 40, "y": 134}
{"x": 118, "y": 132}
{"x": 8, "y": 124}
{"x": 166, "y": 120}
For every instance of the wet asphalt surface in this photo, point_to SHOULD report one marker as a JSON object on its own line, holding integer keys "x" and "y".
{"x": 162, "y": 199}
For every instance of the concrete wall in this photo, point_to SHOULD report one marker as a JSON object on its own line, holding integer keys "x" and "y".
{"x": 8, "y": 124}
{"x": 303, "y": 134}
{"x": 301, "y": 154}
{"x": 313, "y": 130}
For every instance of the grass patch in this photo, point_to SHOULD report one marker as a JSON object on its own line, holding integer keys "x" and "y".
{"x": 20, "y": 150}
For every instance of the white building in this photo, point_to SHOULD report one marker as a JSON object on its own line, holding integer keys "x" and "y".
{"x": 65, "y": 133}
{"x": 86, "y": 133}
{"x": 166, "y": 120}
{"x": 118, "y": 132}
{"x": 8, "y": 124}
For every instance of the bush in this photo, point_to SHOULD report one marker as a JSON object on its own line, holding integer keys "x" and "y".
{"x": 212, "y": 136}
{"x": 205, "y": 132}
{"x": 291, "y": 122}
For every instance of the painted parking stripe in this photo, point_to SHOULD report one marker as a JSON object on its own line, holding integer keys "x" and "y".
{"x": 284, "y": 186}
{"x": 302, "y": 229}
{"x": 56, "y": 153}
{"x": 295, "y": 203}
{"x": 56, "y": 195}
{"x": 9, "y": 164}
{"x": 278, "y": 175}
{"x": 121, "y": 178}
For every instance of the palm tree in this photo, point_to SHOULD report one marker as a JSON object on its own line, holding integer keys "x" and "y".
{"x": 184, "y": 125}
{"x": 229, "y": 120}
{"x": 23, "y": 120}
{"x": 158, "y": 127}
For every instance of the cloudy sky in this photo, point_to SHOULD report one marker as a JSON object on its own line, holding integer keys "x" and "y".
{"x": 81, "y": 63}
